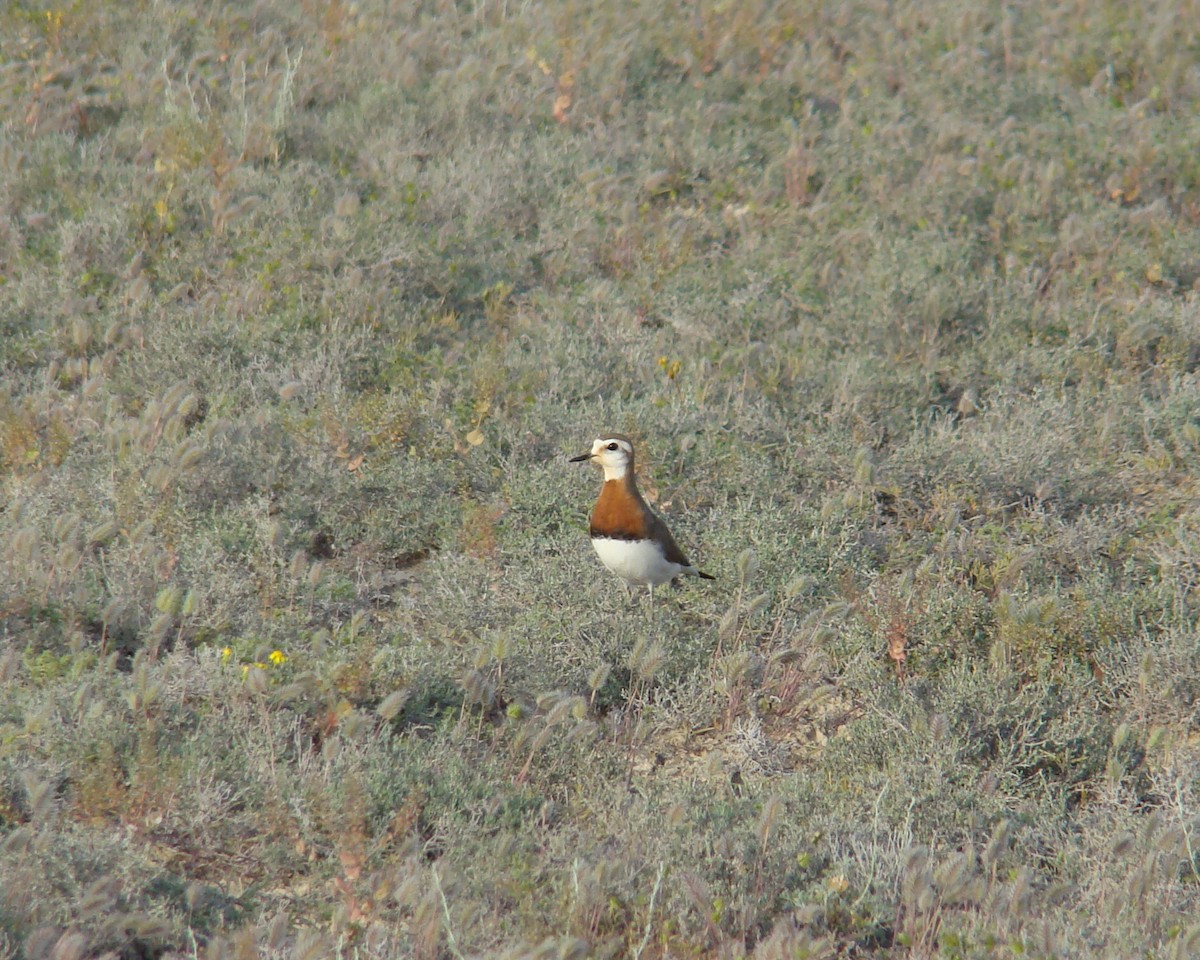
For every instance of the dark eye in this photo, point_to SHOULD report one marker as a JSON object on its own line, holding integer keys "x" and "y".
{"x": 612, "y": 446}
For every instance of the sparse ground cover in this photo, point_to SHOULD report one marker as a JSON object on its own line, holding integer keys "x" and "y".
{"x": 305, "y": 653}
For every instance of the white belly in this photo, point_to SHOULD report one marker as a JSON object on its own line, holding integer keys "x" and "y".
{"x": 636, "y": 561}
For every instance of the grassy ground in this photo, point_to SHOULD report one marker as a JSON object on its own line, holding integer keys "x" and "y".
{"x": 303, "y": 308}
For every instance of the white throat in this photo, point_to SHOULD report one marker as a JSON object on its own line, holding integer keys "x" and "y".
{"x": 614, "y": 471}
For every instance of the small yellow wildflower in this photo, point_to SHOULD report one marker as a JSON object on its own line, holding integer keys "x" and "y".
{"x": 277, "y": 657}
{"x": 226, "y": 653}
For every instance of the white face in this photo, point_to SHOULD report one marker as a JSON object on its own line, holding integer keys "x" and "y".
{"x": 614, "y": 455}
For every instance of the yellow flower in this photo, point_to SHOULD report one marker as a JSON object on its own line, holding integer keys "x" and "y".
{"x": 277, "y": 657}
{"x": 226, "y": 653}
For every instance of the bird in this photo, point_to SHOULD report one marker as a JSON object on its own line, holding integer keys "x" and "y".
{"x": 629, "y": 538}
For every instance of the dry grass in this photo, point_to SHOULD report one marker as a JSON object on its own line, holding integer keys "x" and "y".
{"x": 302, "y": 308}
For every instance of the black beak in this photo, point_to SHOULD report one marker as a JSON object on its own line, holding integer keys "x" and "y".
{"x": 580, "y": 458}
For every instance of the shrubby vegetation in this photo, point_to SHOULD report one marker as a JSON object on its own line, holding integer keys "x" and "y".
{"x": 305, "y": 653}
